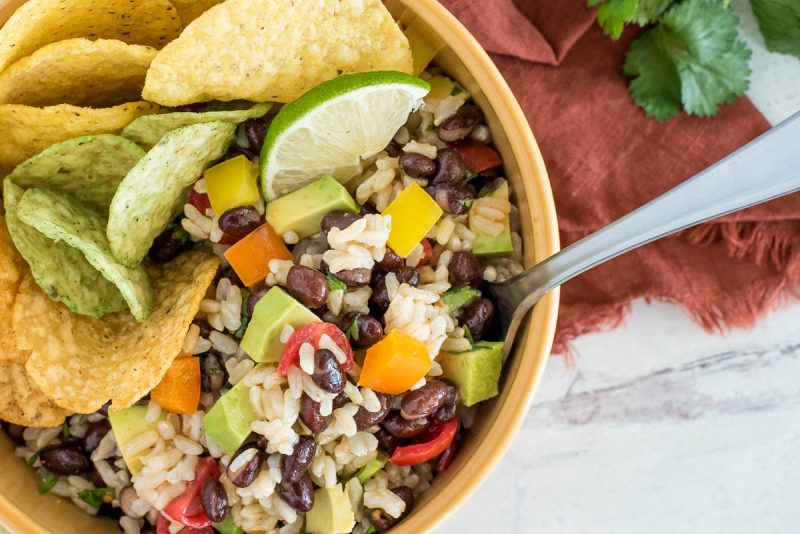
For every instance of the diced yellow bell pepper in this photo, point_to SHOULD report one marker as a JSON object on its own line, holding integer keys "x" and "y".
{"x": 232, "y": 184}
{"x": 414, "y": 212}
{"x": 422, "y": 49}
{"x": 444, "y": 86}
{"x": 395, "y": 363}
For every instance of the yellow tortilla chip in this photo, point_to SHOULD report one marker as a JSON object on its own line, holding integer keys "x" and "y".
{"x": 269, "y": 50}
{"x": 191, "y": 9}
{"x": 12, "y": 265}
{"x": 40, "y": 22}
{"x": 23, "y": 403}
{"x": 82, "y": 362}
{"x": 80, "y": 72}
{"x": 27, "y": 130}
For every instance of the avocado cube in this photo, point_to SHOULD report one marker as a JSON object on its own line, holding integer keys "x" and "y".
{"x": 494, "y": 245}
{"x": 476, "y": 372}
{"x": 302, "y": 211}
{"x": 127, "y": 425}
{"x": 228, "y": 421}
{"x": 276, "y": 309}
{"x": 331, "y": 514}
{"x": 228, "y": 526}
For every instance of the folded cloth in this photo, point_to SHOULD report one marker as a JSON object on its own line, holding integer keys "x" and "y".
{"x": 605, "y": 158}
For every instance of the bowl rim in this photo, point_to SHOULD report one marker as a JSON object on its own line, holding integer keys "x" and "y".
{"x": 534, "y": 347}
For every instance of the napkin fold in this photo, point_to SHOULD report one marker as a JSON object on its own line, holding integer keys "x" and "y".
{"x": 606, "y": 158}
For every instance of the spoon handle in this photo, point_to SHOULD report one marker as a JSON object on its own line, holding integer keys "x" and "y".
{"x": 766, "y": 168}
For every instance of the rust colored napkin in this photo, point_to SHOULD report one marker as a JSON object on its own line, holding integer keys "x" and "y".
{"x": 605, "y": 158}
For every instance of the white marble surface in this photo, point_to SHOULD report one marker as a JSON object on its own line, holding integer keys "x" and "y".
{"x": 658, "y": 427}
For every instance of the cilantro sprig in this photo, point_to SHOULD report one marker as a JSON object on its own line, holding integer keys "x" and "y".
{"x": 691, "y": 58}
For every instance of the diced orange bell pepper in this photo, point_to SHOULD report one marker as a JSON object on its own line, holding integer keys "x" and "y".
{"x": 395, "y": 363}
{"x": 179, "y": 390}
{"x": 250, "y": 257}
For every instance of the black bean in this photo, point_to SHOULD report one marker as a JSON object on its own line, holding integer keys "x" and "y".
{"x": 255, "y": 130}
{"x": 93, "y": 476}
{"x": 313, "y": 244}
{"x": 307, "y": 285}
{"x": 340, "y": 400}
{"x": 256, "y": 294}
{"x": 168, "y": 245}
{"x": 387, "y": 442}
{"x": 294, "y": 466}
{"x": 212, "y": 373}
{"x": 14, "y": 432}
{"x": 403, "y": 428}
{"x": 379, "y": 300}
{"x": 311, "y": 417}
{"x": 244, "y": 475}
{"x": 328, "y": 374}
{"x": 417, "y": 165}
{"x": 478, "y": 316}
{"x": 407, "y": 275}
{"x": 370, "y": 330}
{"x": 424, "y": 401}
{"x": 205, "y": 328}
{"x": 393, "y": 149}
{"x": 64, "y": 459}
{"x": 365, "y": 419}
{"x": 239, "y": 222}
{"x": 299, "y": 495}
{"x": 235, "y": 151}
{"x": 95, "y": 431}
{"x": 127, "y": 496}
{"x": 465, "y": 269}
{"x": 452, "y": 169}
{"x": 149, "y": 530}
{"x": 214, "y": 500}
{"x": 460, "y": 124}
{"x": 391, "y": 261}
{"x": 383, "y": 521}
{"x": 449, "y": 408}
{"x": 355, "y": 277}
{"x": 104, "y": 408}
{"x": 338, "y": 219}
{"x": 455, "y": 199}
{"x": 197, "y": 107}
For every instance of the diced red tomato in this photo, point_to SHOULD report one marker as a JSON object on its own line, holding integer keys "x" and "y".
{"x": 431, "y": 444}
{"x": 311, "y": 333}
{"x": 187, "y": 508}
{"x": 199, "y": 201}
{"x": 477, "y": 156}
{"x": 427, "y": 252}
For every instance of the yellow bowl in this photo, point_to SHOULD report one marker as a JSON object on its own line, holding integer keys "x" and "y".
{"x": 23, "y": 510}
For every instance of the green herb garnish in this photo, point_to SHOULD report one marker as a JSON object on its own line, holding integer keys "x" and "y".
{"x": 468, "y": 335}
{"x": 352, "y": 328}
{"x": 34, "y": 457}
{"x": 96, "y": 497}
{"x": 456, "y": 90}
{"x": 469, "y": 175}
{"x": 334, "y": 283}
{"x": 48, "y": 482}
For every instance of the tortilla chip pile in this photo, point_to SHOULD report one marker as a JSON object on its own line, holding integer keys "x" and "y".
{"x": 93, "y": 172}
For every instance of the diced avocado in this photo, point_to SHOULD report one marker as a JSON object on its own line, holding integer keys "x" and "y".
{"x": 228, "y": 421}
{"x": 476, "y": 372}
{"x": 262, "y": 339}
{"x": 331, "y": 514}
{"x": 444, "y": 86}
{"x": 128, "y": 424}
{"x": 494, "y": 245}
{"x": 372, "y": 467}
{"x": 302, "y": 211}
{"x": 458, "y": 297}
{"x": 227, "y": 526}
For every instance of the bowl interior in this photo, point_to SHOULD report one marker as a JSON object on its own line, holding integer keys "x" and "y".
{"x": 23, "y": 510}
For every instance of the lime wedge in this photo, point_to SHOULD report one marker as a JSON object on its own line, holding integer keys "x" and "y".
{"x": 332, "y": 127}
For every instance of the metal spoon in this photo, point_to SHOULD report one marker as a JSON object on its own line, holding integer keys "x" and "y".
{"x": 766, "y": 168}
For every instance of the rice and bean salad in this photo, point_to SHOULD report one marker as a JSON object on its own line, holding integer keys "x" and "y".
{"x": 314, "y": 427}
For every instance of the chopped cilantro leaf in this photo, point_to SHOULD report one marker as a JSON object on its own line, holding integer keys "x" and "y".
{"x": 334, "y": 283}
{"x": 457, "y": 90}
{"x": 34, "y": 457}
{"x": 613, "y": 15}
{"x": 469, "y": 175}
{"x": 352, "y": 328}
{"x": 779, "y": 21}
{"x": 468, "y": 334}
{"x": 48, "y": 482}
{"x": 371, "y": 530}
{"x": 691, "y": 57}
{"x": 466, "y": 202}
{"x": 96, "y": 497}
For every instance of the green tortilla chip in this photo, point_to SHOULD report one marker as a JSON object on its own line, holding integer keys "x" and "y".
{"x": 148, "y": 130}
{"x": 89, "y": 168}
{"x": 64, "y": 218}
{"x": 153, "y": 193}
{"x": 60, "y": 270}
